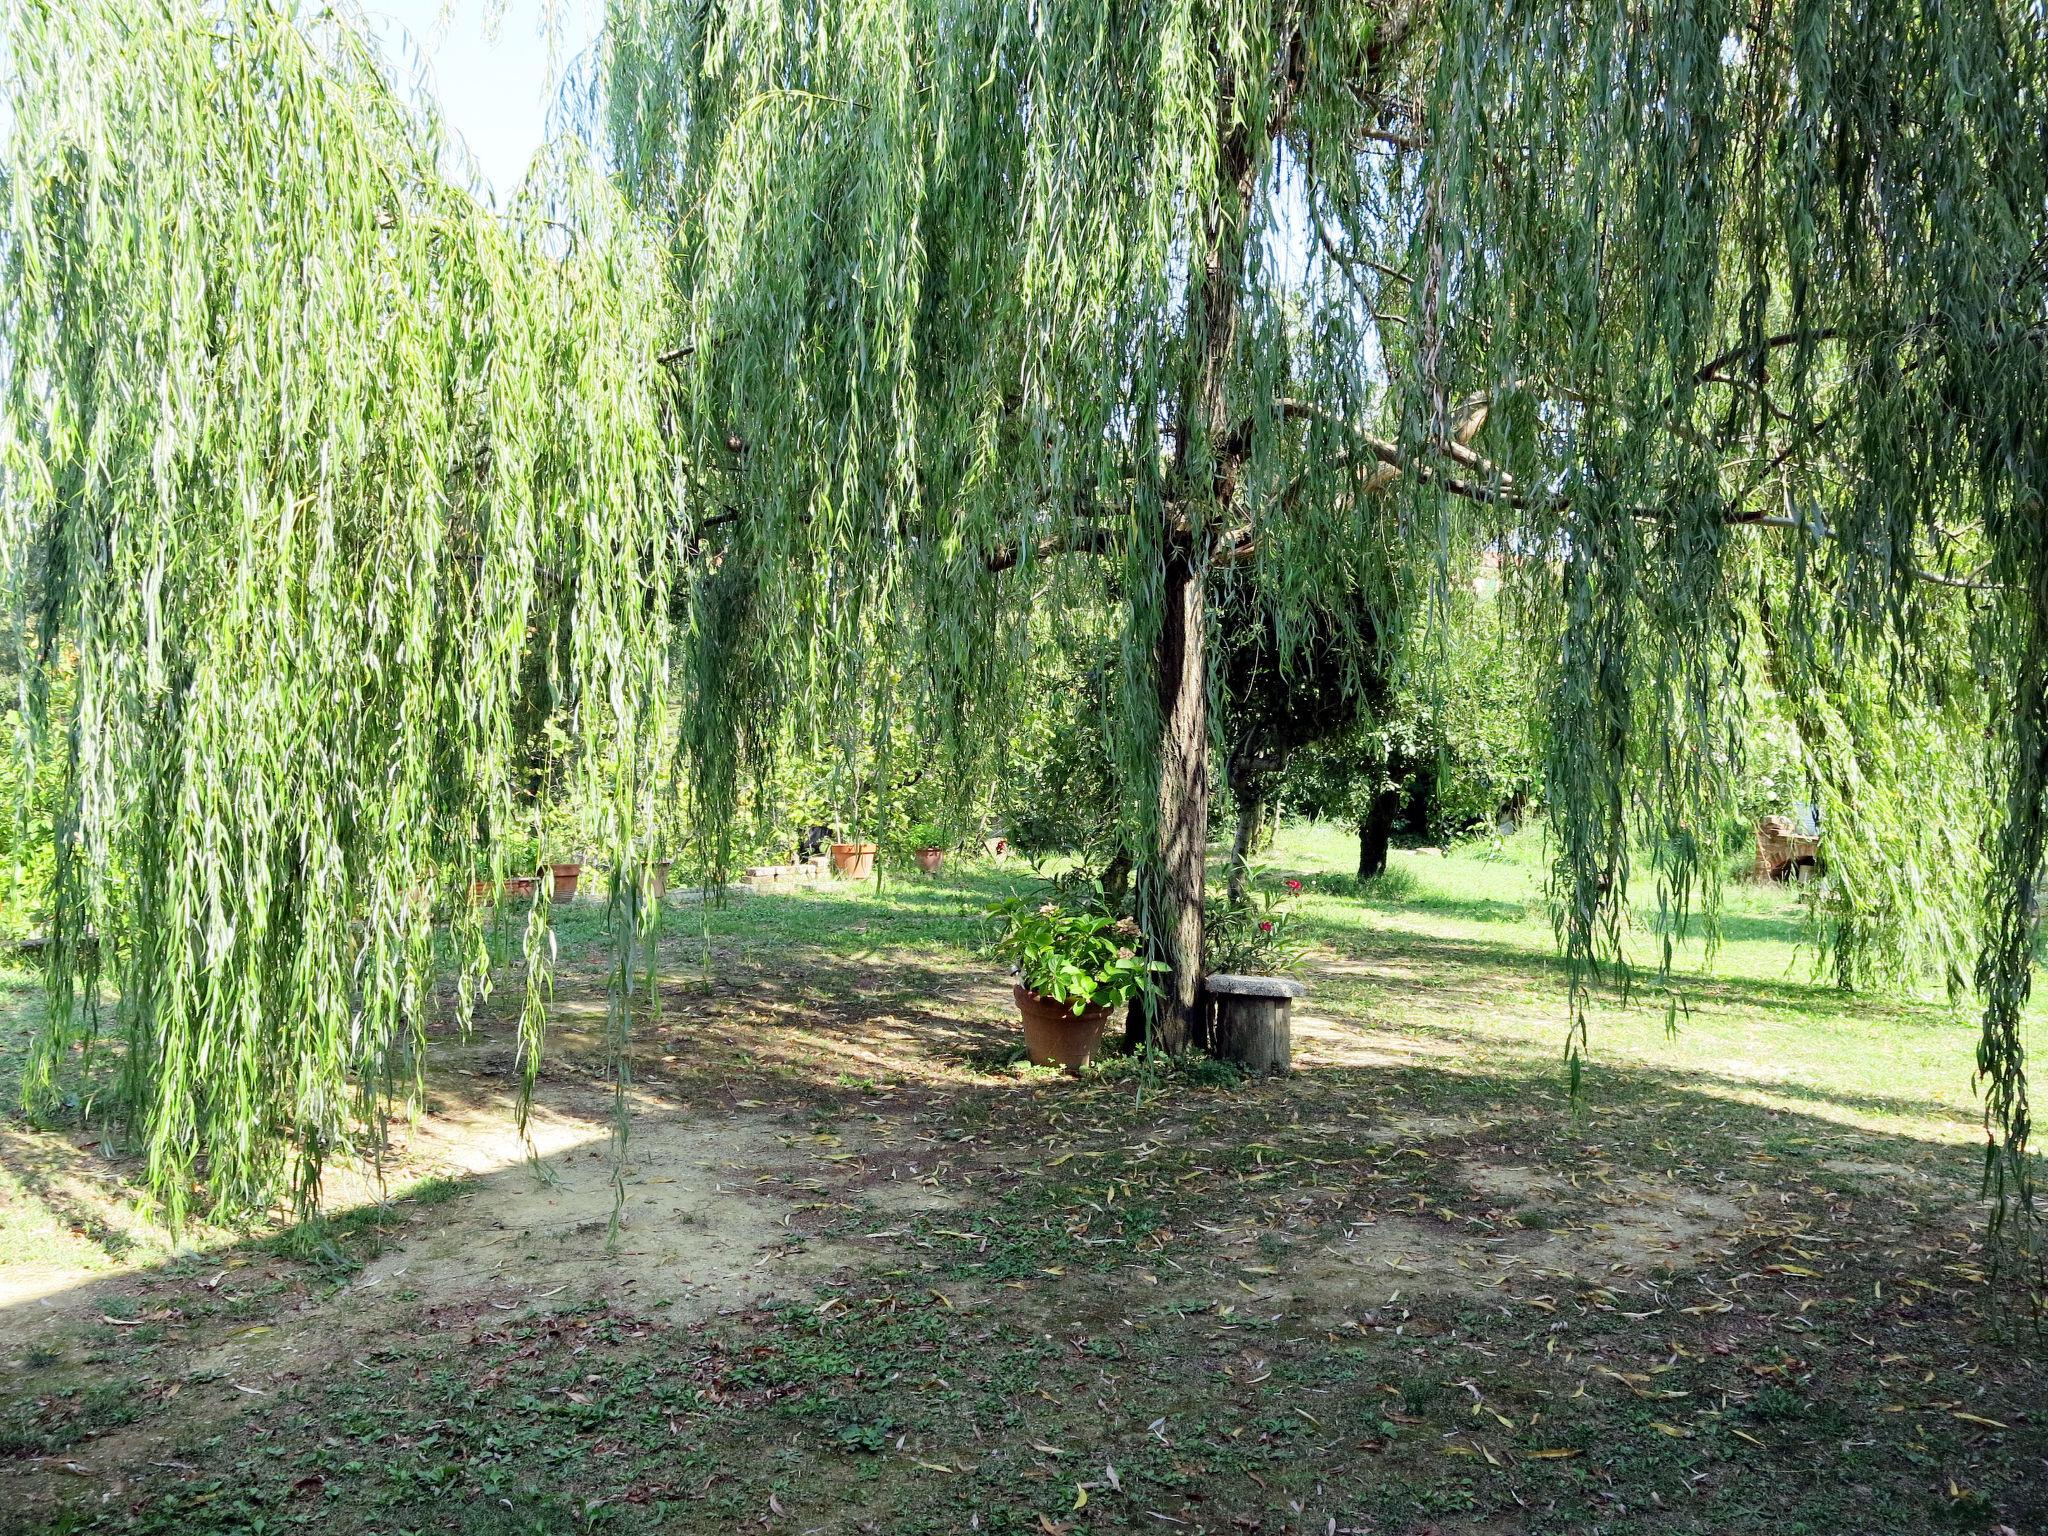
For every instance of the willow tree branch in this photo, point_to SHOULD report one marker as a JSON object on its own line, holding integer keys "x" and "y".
{"x": 1346, "y": 261}
{"x": 1709, "y": 372}
{"x": 1235, "y": 545}
{"x": 1072, "y": 541}
{"x": 1744, "y": 519}
{"x": 1502, "y": 493}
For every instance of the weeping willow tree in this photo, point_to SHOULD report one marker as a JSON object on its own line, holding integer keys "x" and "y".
{"x": 1669, "y": 305}
{"x": 312, "y": 473}
{"x": 1274, "y": 301}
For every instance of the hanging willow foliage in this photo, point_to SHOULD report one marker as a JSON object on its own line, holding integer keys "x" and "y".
{"x": 1765, "y": 274}
{"x": 315, "y": 473}
{"x": 1721, "y": 323}
{"x": 970, "y": 289}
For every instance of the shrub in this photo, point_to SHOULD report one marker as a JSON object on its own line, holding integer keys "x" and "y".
{"x": 1081, "y": 959}
{"x": 1253, "y": 939}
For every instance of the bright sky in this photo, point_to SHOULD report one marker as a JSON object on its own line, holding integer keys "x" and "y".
{"x": 498, "y": 73}
{"x": 492, "y": 66}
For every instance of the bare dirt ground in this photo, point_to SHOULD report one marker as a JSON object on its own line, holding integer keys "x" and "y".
{"x": 1408, "y": 1289}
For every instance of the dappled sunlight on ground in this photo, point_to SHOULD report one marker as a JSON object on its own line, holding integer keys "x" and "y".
{"x": 831, "y": 1145}
{"x": 1330, "y": 1042}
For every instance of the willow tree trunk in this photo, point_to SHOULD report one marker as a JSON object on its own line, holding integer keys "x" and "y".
{"x": 1171, "y": 895}
{"x": 1172, "y": 904}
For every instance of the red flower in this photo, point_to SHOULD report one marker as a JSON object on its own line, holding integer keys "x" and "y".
{"x": 1294, "y": 885}
{"x": 1265, "y": 927}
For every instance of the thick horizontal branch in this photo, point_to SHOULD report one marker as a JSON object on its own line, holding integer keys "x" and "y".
{"x": 1497, "y": 487}
{"x": 1473, "y": 415}
{"x": 1710, "y": 371}
{"x": 1071, "y": 541}
{"x": 1235, "y": 545}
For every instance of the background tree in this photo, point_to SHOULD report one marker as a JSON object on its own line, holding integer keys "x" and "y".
{"x": 1274, "y": 704}
{"x": 1364, "y": 779}
{"x": 1449, "y": 747}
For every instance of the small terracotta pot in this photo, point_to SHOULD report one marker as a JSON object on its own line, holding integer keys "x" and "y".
{"x": 564, "y": 877}
{"x": 657, "y": 879}
{"x": 1055, "y": 1035}
{"x": 521, "y": 887}
{"x": 931, "y": 860}
{"x": 856, "y": 861}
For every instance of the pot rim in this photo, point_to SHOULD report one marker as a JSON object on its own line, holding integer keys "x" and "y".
{"x": 1093, "y": 1011}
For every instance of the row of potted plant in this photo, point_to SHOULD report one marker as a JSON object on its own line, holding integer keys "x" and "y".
{"x": 562, "y": 878}
{"x": 928, "y": 842}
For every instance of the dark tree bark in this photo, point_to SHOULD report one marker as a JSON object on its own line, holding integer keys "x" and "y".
{"x": 1376, "y": 832}
{"x": 1116, "y": 881}
{"x": 1251, "y": 828}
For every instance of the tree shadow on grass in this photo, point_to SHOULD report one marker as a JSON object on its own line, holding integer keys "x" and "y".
{"x": 1761, "y": 927}
{"x": 61, "y": 1176}
{"x": 796, "y": 1059}
{"x": 1471, "y": 969}
{"x": 1468, "y": 909}
{"x": 1694, "y": 1079}
{"x": 412, "y": 1349}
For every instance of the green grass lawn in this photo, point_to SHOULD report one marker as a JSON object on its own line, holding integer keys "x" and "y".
{"x": 1741, "y": 1285}
{"x": 1755, "y": 1023}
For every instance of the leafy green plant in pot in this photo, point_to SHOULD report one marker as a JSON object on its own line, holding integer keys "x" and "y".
{"x": 1073, "y": 968}
{"x": 928, "y": 840}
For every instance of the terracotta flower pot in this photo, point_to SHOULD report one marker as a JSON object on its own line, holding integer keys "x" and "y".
{"x": 521, "y": 887}
{"x": 856, "y": 861}
{"x": 564, "y": 877}
{"x": 481, "y": 891}
{"x": 1055, "y": 1035}
{"x": 931, "y": 860}
{"x": 657, "y": 879}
